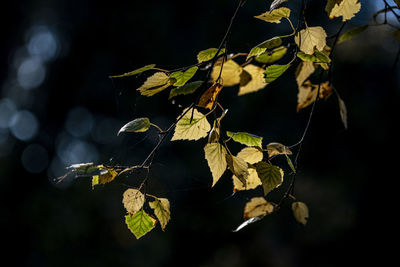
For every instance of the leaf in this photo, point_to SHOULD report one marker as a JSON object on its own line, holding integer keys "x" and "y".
{"x": 154, "y": 84}
{"x": 304, "y": 70}
{"x": 256, "y": 82}
{"x": 300, "y": 212}
{"x": 256, "y": 207}
{"x": 396, "y": 35}
{"x": 209, "y": 54}
{"x": 246, "y": 139}
{"x": 209, "y": 97}
{"x": 107, "y": 175}
{"x": 230, "y": 73}
{"x": 238, "y": 167}
{"x": 252, "y": 181}
{"x": 261, "y": 48}
{"x": 271, "y": 176}
{"x": 274, "y": 149}
{"x": 191, "y": 128}
{"x": 188, "y": 88}
{"x": 182, "y": 78}
{"x": 272, "y": 56}
{"x": 137, "y": 71}
{"x": 275, "y": 15}
{"x": 343, "y": 111}
{"x": 310, "y": 38}
{"x": 251, "y": 155}
{"x": 342, "y": 8}
{"x": 135, "y": 126}
{"x": 140, "y": 223}
{"x": 276, "y": 4}
{"x": 308, "y": 93}
{"x": 247, "y": 222}
{"x": 215, "y": 155}
{"x": 161, "y": 209}
{"x": 317, "y": 57}
{"x": 86, "y": 169}
{"x": 133, "y": 200}
{"x": 290, "y": 163}
{"x": 273, "y": 72}
{"x": 351, "y": 33}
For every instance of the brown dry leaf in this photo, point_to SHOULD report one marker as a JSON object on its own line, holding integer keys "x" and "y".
{"x": 257, "y": 81}
{"x": 230, "y": 73}
{"x": 256, "y": 207}
{"x": 304, "y": 71}
{"x": 133, "y": 200}
{"x": 209, "y": 97}
{"x": 346, "y": 9}
{"x": 308, "y": 93}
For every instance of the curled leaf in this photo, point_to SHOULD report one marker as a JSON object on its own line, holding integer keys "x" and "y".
{"x": 209, "y": 97}
{"x": 161, "y": 209}
{"x": 135, "y": 126}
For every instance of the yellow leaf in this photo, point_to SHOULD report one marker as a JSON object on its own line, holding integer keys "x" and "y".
{"x": 106, "y": 176}
{"x": 275, "y": 15}
{"x": 230, "y": 73}
{"x": 209, "y": 97}
{"x": 256, "y": 207}
{"x": 304, "y": 71}
{"x": 343, "y": 8}
{"x": 251, "y": 155}
{"x": 215, "y": 155}
{"x": 277, "y": 149}
{"x": 133, "y": 200}
{"x": 257, "y": 81}
{"x": 191, "y": 128}
{"x": 154, "y": 84}
{"x": 252, "y": 181}
{"x": 300, "y": 212}
{"x": 161, "y": 209}
{"x": 308, "y": 93}
{"x": 311, "y": 38}
{"x": 238, "y": 167}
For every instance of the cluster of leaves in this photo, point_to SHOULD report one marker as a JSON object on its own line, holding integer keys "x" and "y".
{"x": 253, "y": 165}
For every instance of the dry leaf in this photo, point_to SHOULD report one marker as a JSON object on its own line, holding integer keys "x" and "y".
{"x": 256, "y": 207}
{"x": 257, "y": 81}
{"x": 311, "y": 38}
{"x": 133, "y": 200}
{"x": 209, "y": 97}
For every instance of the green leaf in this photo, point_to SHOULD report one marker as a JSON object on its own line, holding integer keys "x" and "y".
{"x": 352, "y": 33}
{"x": 273, "y": 56}
{"x": 261, "y": 48}
{"x": 209, "y": 54}
{"x": 154, "y": 84}
{"x": 215, "y": 155}
{"x": 161, "y": 210}
{"x": 273, "y": 72}
{"x": 271, "y": 176}
{"x": 246, "y": 138}
{"x": 135, "y": 126}
{"x": 275, "y": 15}
{"x": 182, "y": 78}
{"x": 191, "y": 127}
{"x": 317, "y": 57}
{"x": 188, "y": 88}
{"x": 140, "y": 70}
{"x": 300, "y": 212}
{"x": 140, "y": 223}
{"x": 107, "y": 175}
{"x": 238, "y": 167}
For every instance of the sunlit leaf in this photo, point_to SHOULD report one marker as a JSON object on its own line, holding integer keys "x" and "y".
{"x": 230, "y": 73}
{"x": 107, "y": 175}
{"x": 246, "y": 138}
{"x": 308, "y": 93}
{"x": 273, "y": 72}
{"x": 256, "y": 207}
{"x": 131, "y": 73}
{"x": 346, "y": 9}
{"x": 215, "y": 155}
{"x": 252, "y": 181}
{"x": 209, "y": 97}
{"x": 238, "y": 167}
{"x": 317, "y": 57}
{"x": 276, "y": 4}
{"x": 300, "y": 212}
{"x": 272, "y": 56}
{"x": 187, "y": 89}
{"x": 256, "y": 82}
{"x": 133, "y": 200}
{"x": 209, "y": 54}
{"x": 352, "y": 33}
{"x": 140, "y": 223}
{"x": 261, "y": 48}
{"x": 274, "y": 149}
{"x": 310, "y": 38}
{"x": 182, "y": 78}
{"x": 275, "y": 15}
{"x": 86, "y": 169}
{"x": 191, "y": 127}
{"x": 154, "y": 84}
{"x": 304, "y": 70}
{"x": 271, "y": 176}
{"x": 162, "y": 211}
{"x": 251, "y": 155}
{"x": 137, "y": 125}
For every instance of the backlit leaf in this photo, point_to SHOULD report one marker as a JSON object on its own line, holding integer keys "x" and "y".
{"x": 162, "y": 211}
{"x": 304, "y": 70}
{"x": 191, "y": 128}
{"x": 140, "y": 223}
{"x": 107, "y": 175}
{"x": 215, "y": 155}
{"x": 271, "y": 176}
{"x": 246, "y": 138}
{"x": 256, "y": 82}
{"x": 230, "y": 73}
{"x": 252, "y": 181}
{"x": 251, "y": 155}
{"x": 261, "y": 48}
{"x": 137, "y": 71}
{"x": 183, "y": 78}
{"x": 154, "y": 84}
{"x": 256, "y": 207}
{"x": 238, "y": 167}
{"x": 133, "y": 200}
{"x": 274, "y": 149}
{"x": 275, "y": 15}
{"x": 188, "y": 88}
{"x": 308, "y": 93}
{"x": 209, "y": 97}
{"x": 209, "y": 54}
{"x": 86, "y": 169}
{"x": 137, "y": 125}
{"x": 273, "y": 72}
{"x": 342, "y": 8}
{"x": 272, "y": 56}
{"x": 276, "y": 4}
{"x": 310, "y": 38}
{"x": 317, "y": 57}
{"x": 352, "y": 33}
{"x": 300, "y": 212}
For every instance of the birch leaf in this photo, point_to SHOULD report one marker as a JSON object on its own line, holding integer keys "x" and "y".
{"x": 308, "y": 93}
{"x": 135, "y": 72}
{"x": 300, "y": 212}
{"x": 140, "y": 223}
{"x": 304, "y": 71}
{"x": 275, "y": 15}
{"x": 238, "y": 167}
{"x": 251, "y": 155}
{"x": 261, "y": 48}
{"x": 215, "y": 155}
{"x": 274, "y": 149}
{"x": 310, "y": 38}
{"x": 317, "y": 57}
{"x": 274, "y": 72}
{"x": 188, "y": 88}
{"x": 248, "y": 222}
{"x": 209, "y": 54}
{"x": 256, "y": 207}
{"x": 107, "y": 175}
{"x": 161, "y": 209}
{"x": 209, "y": 97}
{"x": 252, "y": 181}
{"x": 188, "y": 128}
{"x": 230, "y": 73}
{"x": 271, "y": 176}
{"x": 183, "y": 78}
{"x": 272, "y": 56}
{"x": 246, "y": 139}
{"x": 257, "y": 81}
{"x": 351, "y": 33}
{"x": 154, "y": 84}
{"x": 133, "y": 200}
{"x": 346, "y": 9}
{"x": 135, "y": 126}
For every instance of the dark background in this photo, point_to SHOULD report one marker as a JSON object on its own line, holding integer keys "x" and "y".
{"x": 58, "y": 107}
